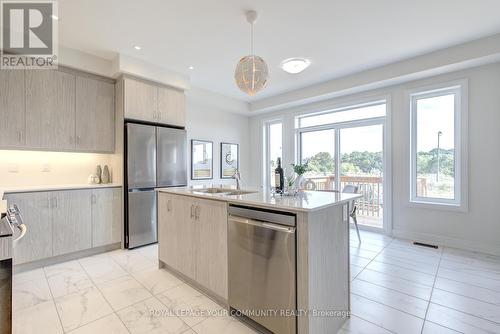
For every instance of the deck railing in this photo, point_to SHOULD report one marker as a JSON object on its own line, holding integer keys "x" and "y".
{"x": 371, "y": 187}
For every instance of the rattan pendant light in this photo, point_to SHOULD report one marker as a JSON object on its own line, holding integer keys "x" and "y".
{"x": 251, "y": 73}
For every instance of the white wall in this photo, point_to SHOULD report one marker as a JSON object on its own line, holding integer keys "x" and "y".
{"x": 479, "y": 228}
{"x": 206, "y": 121}
{"x": 24, "y": 168}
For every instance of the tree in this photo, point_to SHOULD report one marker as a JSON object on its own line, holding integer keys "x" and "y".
{"x": 322, "y": 163}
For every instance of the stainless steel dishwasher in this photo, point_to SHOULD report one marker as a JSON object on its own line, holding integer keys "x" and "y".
{"x": 262, "y": 267}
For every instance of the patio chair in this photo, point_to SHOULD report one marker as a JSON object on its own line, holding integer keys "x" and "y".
{"x": 352, "y": 189}
{"x": 348, "y": 189}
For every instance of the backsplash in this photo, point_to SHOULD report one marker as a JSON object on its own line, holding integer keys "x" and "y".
{"x": 34, "y": 168}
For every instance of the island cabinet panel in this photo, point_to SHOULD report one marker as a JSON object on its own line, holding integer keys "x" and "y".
{"x": 140, "y": 100}
{"x": 211, "y": 246}
{"x": 177, "y": 233}
{"x": 50, "y": 110}
{"x": 71, "y": 221}
{"x": 106, "y": 216}
{"x": 12, "y": 108}
{"x": 37, "y": 215}
{"x": 95, "y": 115}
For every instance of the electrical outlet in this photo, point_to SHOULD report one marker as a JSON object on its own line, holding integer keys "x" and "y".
{"x": 46, "y": 168}
{"x": 13, "y": 168}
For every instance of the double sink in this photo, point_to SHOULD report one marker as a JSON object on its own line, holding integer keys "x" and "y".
{"x": 223, "y": 191}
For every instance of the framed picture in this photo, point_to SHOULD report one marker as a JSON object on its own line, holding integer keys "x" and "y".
{"x": 229, "y": 160}
{"x": 202, "y": 162}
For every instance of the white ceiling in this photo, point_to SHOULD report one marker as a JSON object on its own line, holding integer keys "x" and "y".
{"x": 340, "y": 37}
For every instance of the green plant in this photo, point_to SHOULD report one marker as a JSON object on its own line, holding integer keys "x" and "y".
{"x": 301, "y": 169}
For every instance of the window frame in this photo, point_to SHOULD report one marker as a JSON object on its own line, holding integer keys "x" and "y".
{"x": 460, "y": 200}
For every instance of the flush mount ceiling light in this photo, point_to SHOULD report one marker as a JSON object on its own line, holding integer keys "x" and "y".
{"x": 295, "y": 65}
{"x": 137, "y": 47}
{"x": 251, "y": 73}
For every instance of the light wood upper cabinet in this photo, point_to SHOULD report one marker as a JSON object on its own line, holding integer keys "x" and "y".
{"x": 71, "y": 216}
{"x": 171, "y": 106}
{"x": 50, "y": 109}
{"x": 106, "y": 216}
{"x": 148, "y": 102}
{"x": 211, "y": 255}
{"x": 12, "y": 108}
{"x": 140, "y": 100}
{"x": 95, "y": 115}
{"x": 37, "y": 215}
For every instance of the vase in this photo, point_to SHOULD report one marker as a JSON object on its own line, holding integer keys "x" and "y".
{"x": 98, "y": 173}
{"x": 105, "y": 175}
{"x": 299, "y": 182}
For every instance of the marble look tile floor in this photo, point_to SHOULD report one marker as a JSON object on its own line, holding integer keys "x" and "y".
{"x": 396, "y": 288}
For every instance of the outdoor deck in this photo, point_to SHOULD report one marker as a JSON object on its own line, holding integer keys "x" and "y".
{"x": 370, "y": 206}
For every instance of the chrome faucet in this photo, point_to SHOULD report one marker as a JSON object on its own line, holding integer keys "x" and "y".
{"x": 237, "y": 177}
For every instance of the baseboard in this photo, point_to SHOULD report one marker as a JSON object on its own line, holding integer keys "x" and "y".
{"x": 219, "y": 300}
{"x": 447, "y": 242}
{"x": 63, "y": 258}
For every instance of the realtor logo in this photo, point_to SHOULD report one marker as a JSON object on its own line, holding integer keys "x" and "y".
{"x": 29, "y": 34}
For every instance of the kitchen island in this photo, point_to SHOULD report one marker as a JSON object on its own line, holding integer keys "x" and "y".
{"x": 195, "y": 227}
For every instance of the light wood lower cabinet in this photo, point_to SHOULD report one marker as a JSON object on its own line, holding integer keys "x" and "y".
{"x": 71, "y": 216}
{"x": 192, "y": 236}
{"x": 176, "y": 229}
{"x": 37, "y": 214}
{"x": 211, "y": 245}
{"x": 62, "y": 222}
{"x": 106, "y": 216}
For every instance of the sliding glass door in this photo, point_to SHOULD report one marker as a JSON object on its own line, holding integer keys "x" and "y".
{"x": 318, "y": 147}
{"x": 347, "y": 151}
{"x": 362, "y": 165}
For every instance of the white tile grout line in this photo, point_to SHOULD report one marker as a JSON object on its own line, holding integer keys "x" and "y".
{"x": 364, "y": 297}
{"x": 94, "y": 284}
{"x": 53, "y": 299}
{"x": 432, "y": 291}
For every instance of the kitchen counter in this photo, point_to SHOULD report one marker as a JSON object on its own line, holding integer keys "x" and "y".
{"x": 28, "y": 189}
{"x": 306, "y": 201}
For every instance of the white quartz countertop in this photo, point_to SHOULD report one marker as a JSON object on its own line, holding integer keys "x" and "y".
{"x": 305, "y": 201}
{"x": 26, "y": 189}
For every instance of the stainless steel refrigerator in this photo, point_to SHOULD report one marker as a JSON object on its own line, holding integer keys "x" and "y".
{"x": 155, "y": 157}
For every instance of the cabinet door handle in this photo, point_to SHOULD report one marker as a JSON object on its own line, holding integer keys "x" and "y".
{"x": 20, "y": 136}
{"x": 93, "y": 199}
{"x": 197, "y": 212}
{"x": 169, "y": 205}
{"x": 192, "y": 211}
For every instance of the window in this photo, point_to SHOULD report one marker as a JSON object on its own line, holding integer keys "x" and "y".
{"x": 348, "y": 114}
{"x": 436, "y": 146}
{"x": 274, "y": 143}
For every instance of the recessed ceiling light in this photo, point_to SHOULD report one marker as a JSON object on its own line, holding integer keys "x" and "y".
{"x": 191, "y": 67}
{"x": 54, "y": 17}
{"x": 295, "y": 65}
{"x": 137, "y": 47}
